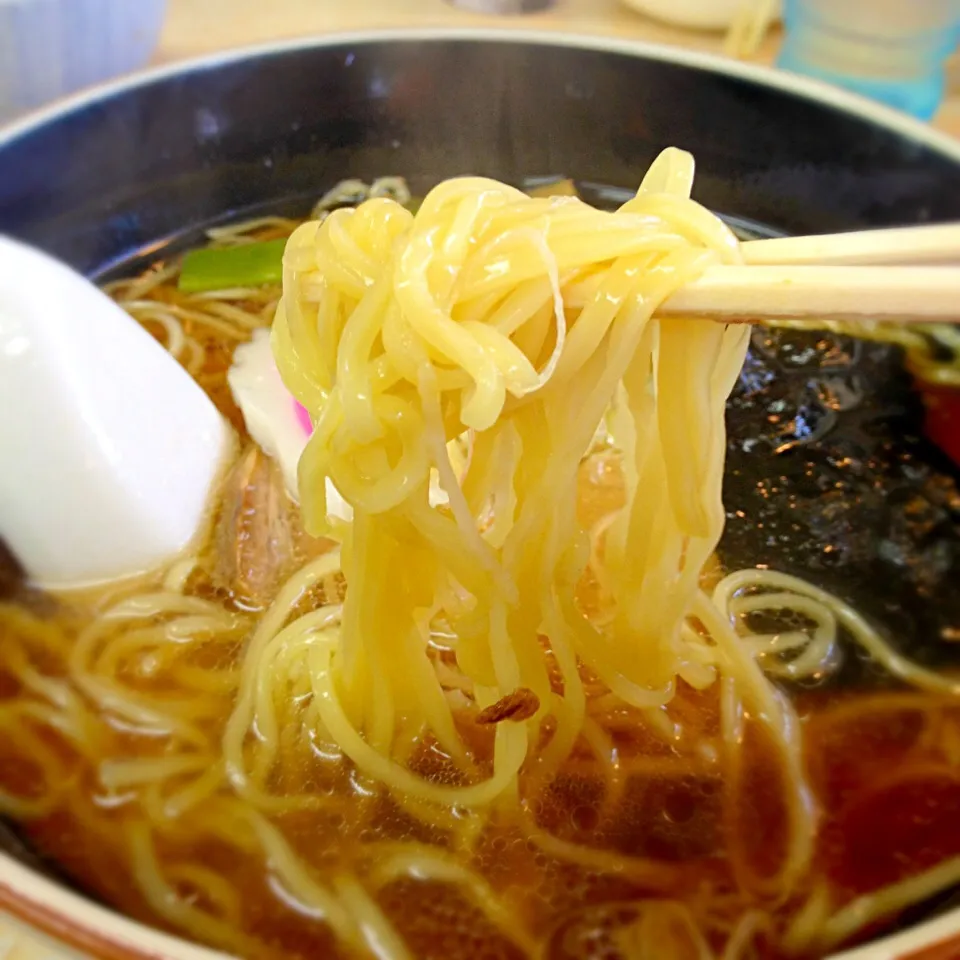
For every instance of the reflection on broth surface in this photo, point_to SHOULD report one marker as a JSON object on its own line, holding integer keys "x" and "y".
{"x": 149, "y": 749}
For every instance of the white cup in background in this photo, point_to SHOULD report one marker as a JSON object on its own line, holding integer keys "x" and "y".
{"x": 49, "y": 48}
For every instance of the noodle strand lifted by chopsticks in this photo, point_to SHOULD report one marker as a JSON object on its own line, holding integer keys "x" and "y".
{"x": 418, "y": 361}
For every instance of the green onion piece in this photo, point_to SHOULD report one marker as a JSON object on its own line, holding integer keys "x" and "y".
{"x": 248, "y": 265}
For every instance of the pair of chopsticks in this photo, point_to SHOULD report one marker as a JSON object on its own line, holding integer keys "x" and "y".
{"x": 904, "y": 275}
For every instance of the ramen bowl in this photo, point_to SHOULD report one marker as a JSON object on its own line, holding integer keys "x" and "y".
{"x": 117, "y": 177}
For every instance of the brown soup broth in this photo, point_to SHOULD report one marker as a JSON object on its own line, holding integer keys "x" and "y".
{"x": 672, "y": 820}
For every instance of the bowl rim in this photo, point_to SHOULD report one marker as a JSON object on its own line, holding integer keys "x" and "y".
{"x": 70, "y": 919}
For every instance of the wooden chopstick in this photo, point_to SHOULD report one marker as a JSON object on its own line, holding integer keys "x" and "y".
{"x": 937, "y": 244}
{"x": 750, "y": 293}
{"x": 901, "y": 275}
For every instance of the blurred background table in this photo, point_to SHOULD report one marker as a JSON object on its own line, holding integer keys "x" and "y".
{"x": 195, "y": 27}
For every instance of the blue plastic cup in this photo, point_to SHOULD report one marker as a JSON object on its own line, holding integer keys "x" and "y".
{"x": 891, "y": 50}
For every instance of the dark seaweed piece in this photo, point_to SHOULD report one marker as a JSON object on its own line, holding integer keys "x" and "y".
{"x": 830, "y": 478}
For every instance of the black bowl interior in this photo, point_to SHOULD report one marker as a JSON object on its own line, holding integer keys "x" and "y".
{"x": 826, "y": 445}
{"x": 136, "y": 166}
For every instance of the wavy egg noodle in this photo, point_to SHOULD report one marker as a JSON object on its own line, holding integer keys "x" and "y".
{"x": 516, "y": 320}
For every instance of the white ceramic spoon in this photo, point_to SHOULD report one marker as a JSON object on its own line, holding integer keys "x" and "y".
{"x": 108, "y": 449}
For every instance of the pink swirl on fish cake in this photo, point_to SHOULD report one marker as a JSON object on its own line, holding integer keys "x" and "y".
{"x": 303, "y": 418}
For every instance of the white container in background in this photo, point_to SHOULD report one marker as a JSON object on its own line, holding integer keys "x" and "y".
{"x": 692, "y": 14}
{"x": 49, "y": 48}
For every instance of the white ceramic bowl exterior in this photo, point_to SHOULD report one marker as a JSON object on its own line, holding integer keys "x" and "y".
{"x": 18, "y": 942}
{"x": 49, "y": 48}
